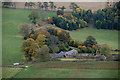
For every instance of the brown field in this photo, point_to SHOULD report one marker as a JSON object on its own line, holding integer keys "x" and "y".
{"x": 85, "y": 5}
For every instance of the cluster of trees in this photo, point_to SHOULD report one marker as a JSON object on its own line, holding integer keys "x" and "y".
{"x": 38, "y": 44}
{"x": 8, "y": 4}
{"x": 41, "y": 43}
{"x": 88, "y": 46}
{"x": 71, "y": 21}
{"x": 108, "y": 18}
{"x": 31, "y": 5}
{"x": 41, "y": 5}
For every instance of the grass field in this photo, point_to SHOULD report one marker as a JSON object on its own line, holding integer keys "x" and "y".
{"x": 70, "y": 70}
{"x": 11, "y": 19}
{"x": 9, "y": 72}
{"x": 109, "y": 37}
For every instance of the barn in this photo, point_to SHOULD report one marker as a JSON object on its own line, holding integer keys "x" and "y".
{"x": 68, "y": 54}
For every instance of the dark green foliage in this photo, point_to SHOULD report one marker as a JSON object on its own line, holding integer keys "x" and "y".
{"x": 64, "y": 37}
{"x": 90, "y": 41}
{"x": 52, "y": 31}
{"x": 107, "y": 18}
{"x": 60, "y": 12}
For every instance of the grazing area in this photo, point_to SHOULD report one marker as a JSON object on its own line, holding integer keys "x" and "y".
{"x": 12, "y": 40}
{"x": 71, "y": 70}
{"x": 109, "y": 37}
{"x": 9, "y": 72}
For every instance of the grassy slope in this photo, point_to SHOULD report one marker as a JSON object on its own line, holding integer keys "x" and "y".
{"x": 109, "y": 37}
{"x": 67, "y": 73}
{"x": 69, "y": 70}
{"x": 12, "y": 18}
{"x": 9, "y": 72}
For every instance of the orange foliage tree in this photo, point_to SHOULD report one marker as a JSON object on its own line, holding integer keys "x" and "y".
{"x": 30, "y": 48}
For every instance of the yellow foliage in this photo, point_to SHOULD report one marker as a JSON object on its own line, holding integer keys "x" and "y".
{"x": 36, "y": 25}
{"x": 48, "y": 17}
{"x": 85, "y": 23}
{"x": 59, "y": 31}
{"x": 53, "y": 25}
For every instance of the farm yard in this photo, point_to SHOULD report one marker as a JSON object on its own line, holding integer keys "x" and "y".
{"x": 47, "y": 46}
{"x": 12, "y": 42}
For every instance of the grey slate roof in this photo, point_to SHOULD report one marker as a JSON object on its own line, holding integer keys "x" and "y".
{"x": 62, "y": 54}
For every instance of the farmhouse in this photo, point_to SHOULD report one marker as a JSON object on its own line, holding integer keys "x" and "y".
{"x": 68, "y": 54}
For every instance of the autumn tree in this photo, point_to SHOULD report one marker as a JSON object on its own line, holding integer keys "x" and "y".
{"x": 53, "y": 43}
{"x": 64, "y": 36}
{"x": 44, "y": 53}
{"x": 34, "y": 16}
{"x": 41, "y": 39}
{"x": 30, "y": 48}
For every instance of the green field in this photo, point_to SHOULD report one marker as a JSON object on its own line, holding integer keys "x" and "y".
{"x": 9, "y": 72}
{"x": 109, "y": 37}
{"x": 67, "y": 73}
{"x": 70, "y": 70}
{"x": 11, "y": 42}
